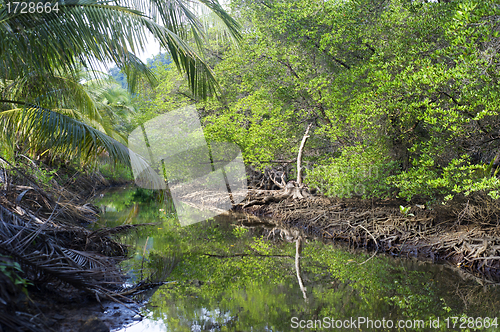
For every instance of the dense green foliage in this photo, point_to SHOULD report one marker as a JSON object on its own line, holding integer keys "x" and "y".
{"x": 402, "y": 94}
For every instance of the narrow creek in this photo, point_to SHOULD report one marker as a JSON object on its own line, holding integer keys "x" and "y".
{"x": 227, "y": 274}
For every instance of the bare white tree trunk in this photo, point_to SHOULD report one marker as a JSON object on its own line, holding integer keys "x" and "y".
{"x": 298, "y": 250}
{"x": 294, "y": 189}
{"x": 299, "y": 157}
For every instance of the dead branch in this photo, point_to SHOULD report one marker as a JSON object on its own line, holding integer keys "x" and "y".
{"x": 299, "y": 156}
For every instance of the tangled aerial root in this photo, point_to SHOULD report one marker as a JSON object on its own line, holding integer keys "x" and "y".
{"x": 462, "y": 233}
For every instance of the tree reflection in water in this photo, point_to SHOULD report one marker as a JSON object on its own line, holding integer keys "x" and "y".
{"x": 231, "y": 275}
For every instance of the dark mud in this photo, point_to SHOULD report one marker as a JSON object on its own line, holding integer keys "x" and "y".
{"x": 73, "y": 310}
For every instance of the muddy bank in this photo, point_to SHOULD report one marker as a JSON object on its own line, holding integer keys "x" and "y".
{"x": 71, "y": 310}
{"x": 466, "y": 233}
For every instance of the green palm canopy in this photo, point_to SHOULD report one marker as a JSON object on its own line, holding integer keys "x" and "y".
{"x": 42, "y": 98}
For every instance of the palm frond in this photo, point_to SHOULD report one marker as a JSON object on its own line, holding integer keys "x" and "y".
{"x": 61, "y": 91}
{"x": 224, "y": 21}
{"x": 64, "y": 135}
{"x": 181, "y": 16}
{"x": 87, "y": 260}
{"x": 42, "y": 128}
{"x": 92, "y": 33}
{"x": 82, "y": 32}
{"x": 43, "y": 255}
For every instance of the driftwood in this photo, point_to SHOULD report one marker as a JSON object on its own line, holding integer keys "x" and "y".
{"x": 290, "y": 190}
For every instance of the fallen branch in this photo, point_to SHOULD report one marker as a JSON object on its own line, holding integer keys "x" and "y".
{"x": 265, "y": 200}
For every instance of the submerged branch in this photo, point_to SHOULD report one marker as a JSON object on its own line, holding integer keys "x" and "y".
{"x": 244, "y": 255}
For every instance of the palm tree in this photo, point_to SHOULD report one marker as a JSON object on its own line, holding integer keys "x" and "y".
{"x": 42, "y": 100}
{"x": 114, "y": 104}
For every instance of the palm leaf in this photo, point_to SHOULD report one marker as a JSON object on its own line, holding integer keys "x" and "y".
{"x": 69, "y": 96}
{"x": 42, "y": 128}
{"x": 85, "y": 33}
{"x": 92, "y": 33}
{"x": 43, "y": 257}
{"x": 61, "y": 91}
{"x": 50, "y": 251}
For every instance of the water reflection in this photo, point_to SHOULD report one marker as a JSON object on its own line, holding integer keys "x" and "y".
{"x": 232, "y": 274}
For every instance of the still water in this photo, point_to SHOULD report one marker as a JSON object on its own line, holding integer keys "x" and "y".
{"x": 228, "y": 274}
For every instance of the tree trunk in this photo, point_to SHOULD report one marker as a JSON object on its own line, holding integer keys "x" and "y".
{"x": 299, "y": 156}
